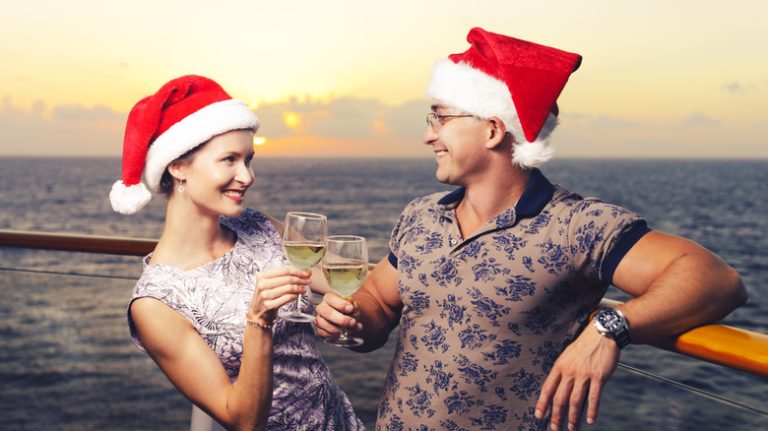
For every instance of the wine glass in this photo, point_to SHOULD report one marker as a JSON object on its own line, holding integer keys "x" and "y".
{"x": 303, "y": 237}
{"x": 345, "y": 265}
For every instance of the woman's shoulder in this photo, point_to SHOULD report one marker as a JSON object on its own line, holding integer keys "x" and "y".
{"x": 248, "y": 221}
{"x": 156, "y": 281}
{"x": 162, "y": 283}
{"x": 252, "y": 225}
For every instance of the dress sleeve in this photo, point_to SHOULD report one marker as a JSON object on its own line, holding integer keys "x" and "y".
{"x": 599, "y": 235}
{"x": 147, "y": 287}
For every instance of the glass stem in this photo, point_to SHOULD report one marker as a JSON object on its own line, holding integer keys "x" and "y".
{"x": 298, "y": 303}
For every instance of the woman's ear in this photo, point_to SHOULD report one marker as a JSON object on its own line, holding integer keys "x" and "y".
{"x": 497, "y": 131}
{"x": 176, "y": 169}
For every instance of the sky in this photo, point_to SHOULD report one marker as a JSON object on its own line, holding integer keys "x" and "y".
{"x": 347, "y": 78}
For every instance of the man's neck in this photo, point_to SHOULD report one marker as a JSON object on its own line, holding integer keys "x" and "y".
{"x": 488, "y": 197}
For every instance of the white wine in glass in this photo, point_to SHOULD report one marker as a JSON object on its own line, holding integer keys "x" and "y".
{"x": 345, "y": 266}
{"x": 303, "y": 242}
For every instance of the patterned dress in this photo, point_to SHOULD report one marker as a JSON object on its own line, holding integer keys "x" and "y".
{"x": 484, "y": 317}
{"x": 214, "y": 298}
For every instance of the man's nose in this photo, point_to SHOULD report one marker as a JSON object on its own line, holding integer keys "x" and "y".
{"x": 429, "y": 135}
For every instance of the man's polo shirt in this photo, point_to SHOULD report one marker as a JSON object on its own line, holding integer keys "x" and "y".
{"x": 485, "y": 317}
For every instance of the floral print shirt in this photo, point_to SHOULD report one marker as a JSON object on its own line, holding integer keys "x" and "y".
{"x": 214, "y": 298}
{"x": 485, "y": 317}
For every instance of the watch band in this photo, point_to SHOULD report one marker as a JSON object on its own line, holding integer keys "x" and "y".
{"x": 621, "y": 337}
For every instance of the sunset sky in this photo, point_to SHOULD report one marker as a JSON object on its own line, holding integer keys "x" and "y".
{"x": 347, "y": 78}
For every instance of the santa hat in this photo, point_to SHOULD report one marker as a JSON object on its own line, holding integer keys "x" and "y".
{"x": 183, "y": 114}
{"x": 515, "y": 80}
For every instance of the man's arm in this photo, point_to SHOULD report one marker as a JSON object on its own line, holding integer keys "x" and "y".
{"x": 677, "y": 285}
{"x": 372, "y": 314}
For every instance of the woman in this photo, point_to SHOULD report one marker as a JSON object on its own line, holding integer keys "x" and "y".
{"x": 206, "y": 306}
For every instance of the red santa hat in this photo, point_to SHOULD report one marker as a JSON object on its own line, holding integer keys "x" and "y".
{"x": 184, "y": 113}
{"x": 515, "y": 80}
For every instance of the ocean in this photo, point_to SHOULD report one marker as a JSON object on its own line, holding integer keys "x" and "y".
{"x": 67, "y": 363}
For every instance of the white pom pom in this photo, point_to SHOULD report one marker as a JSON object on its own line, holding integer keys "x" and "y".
{"x": 532, "y": 154}
{"x": 128, "y": 199}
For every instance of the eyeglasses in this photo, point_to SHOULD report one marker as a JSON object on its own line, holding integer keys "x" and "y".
{"x": 434, "y": 119}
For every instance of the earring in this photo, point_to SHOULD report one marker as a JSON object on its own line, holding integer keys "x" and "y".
{"x": 181, "y": 186}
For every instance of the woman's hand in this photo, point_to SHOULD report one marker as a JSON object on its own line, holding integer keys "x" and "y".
{"x": 275, "y": 288}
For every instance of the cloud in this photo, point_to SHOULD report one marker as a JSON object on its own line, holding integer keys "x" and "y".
{"x": 361, "y": 126}
{"x": 79, "y": 114}
{"x": 70, "y": 130}
{"x": 598, "y": 121}
{"x": 346, "y": 127}
{"x": 736, "y": 87}
{"x": 343, "y": 127}
{"x": 608, "y": 121}
{"x": 698, "y": 119}
{"x": 733, "y": 87}
{"x": 343, "y": 118}
{"x": 408, "y": 120}
{"x": 694, "y": 135}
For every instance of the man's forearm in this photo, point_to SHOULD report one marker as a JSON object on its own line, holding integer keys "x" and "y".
{"x": 377, "y": 320}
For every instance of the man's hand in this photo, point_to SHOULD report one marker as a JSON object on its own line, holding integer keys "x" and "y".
{"x": 578, "y": 375}
{"x": 335, "y": 314}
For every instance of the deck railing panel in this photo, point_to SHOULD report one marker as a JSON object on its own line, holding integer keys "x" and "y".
{"x": 720, "y": 344}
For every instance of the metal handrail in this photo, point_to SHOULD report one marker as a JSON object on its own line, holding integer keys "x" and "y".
{"x": 75, "y": 242}
{"x": 724, "y": 345}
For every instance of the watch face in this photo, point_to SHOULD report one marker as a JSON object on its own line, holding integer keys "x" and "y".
{"x": 609, "y": 319}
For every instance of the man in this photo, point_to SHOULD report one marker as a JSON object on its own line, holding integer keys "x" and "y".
{"x": 492, "y": 284}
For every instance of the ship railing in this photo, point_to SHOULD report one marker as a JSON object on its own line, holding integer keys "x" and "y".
{"x": 723, "y": 345}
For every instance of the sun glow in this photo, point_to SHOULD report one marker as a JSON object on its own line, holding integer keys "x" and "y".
{"x": 259, "y": 141}
{"x": 291, "y": 119}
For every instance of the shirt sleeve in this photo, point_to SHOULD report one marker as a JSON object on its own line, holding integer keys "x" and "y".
{"x": 399, "y": 232}
{"x": 600, "y": 234}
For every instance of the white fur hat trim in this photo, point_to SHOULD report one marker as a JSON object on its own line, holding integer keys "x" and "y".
{"x": 463, "y": 87}
{"x": 193, "y": 130}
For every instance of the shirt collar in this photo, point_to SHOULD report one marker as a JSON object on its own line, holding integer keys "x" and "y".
{"x": 537, "y": 193}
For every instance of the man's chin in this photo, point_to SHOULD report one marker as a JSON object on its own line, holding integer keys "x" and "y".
{"x": 444, "y": 179}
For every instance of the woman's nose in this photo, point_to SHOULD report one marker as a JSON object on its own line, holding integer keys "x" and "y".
{"x": 245, "y": 175}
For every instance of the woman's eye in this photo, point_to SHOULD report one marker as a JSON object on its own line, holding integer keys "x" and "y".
{"x": 230, "y": 159}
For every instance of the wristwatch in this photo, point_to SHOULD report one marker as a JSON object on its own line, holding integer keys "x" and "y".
{"x": 612, "y": 323}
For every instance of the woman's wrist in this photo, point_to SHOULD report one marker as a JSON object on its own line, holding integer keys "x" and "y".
{"x": 261, "y": 324}
{"x": 260, "y": 319}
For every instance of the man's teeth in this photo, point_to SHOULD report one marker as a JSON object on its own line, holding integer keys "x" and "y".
{"x": 441, "y": 153}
